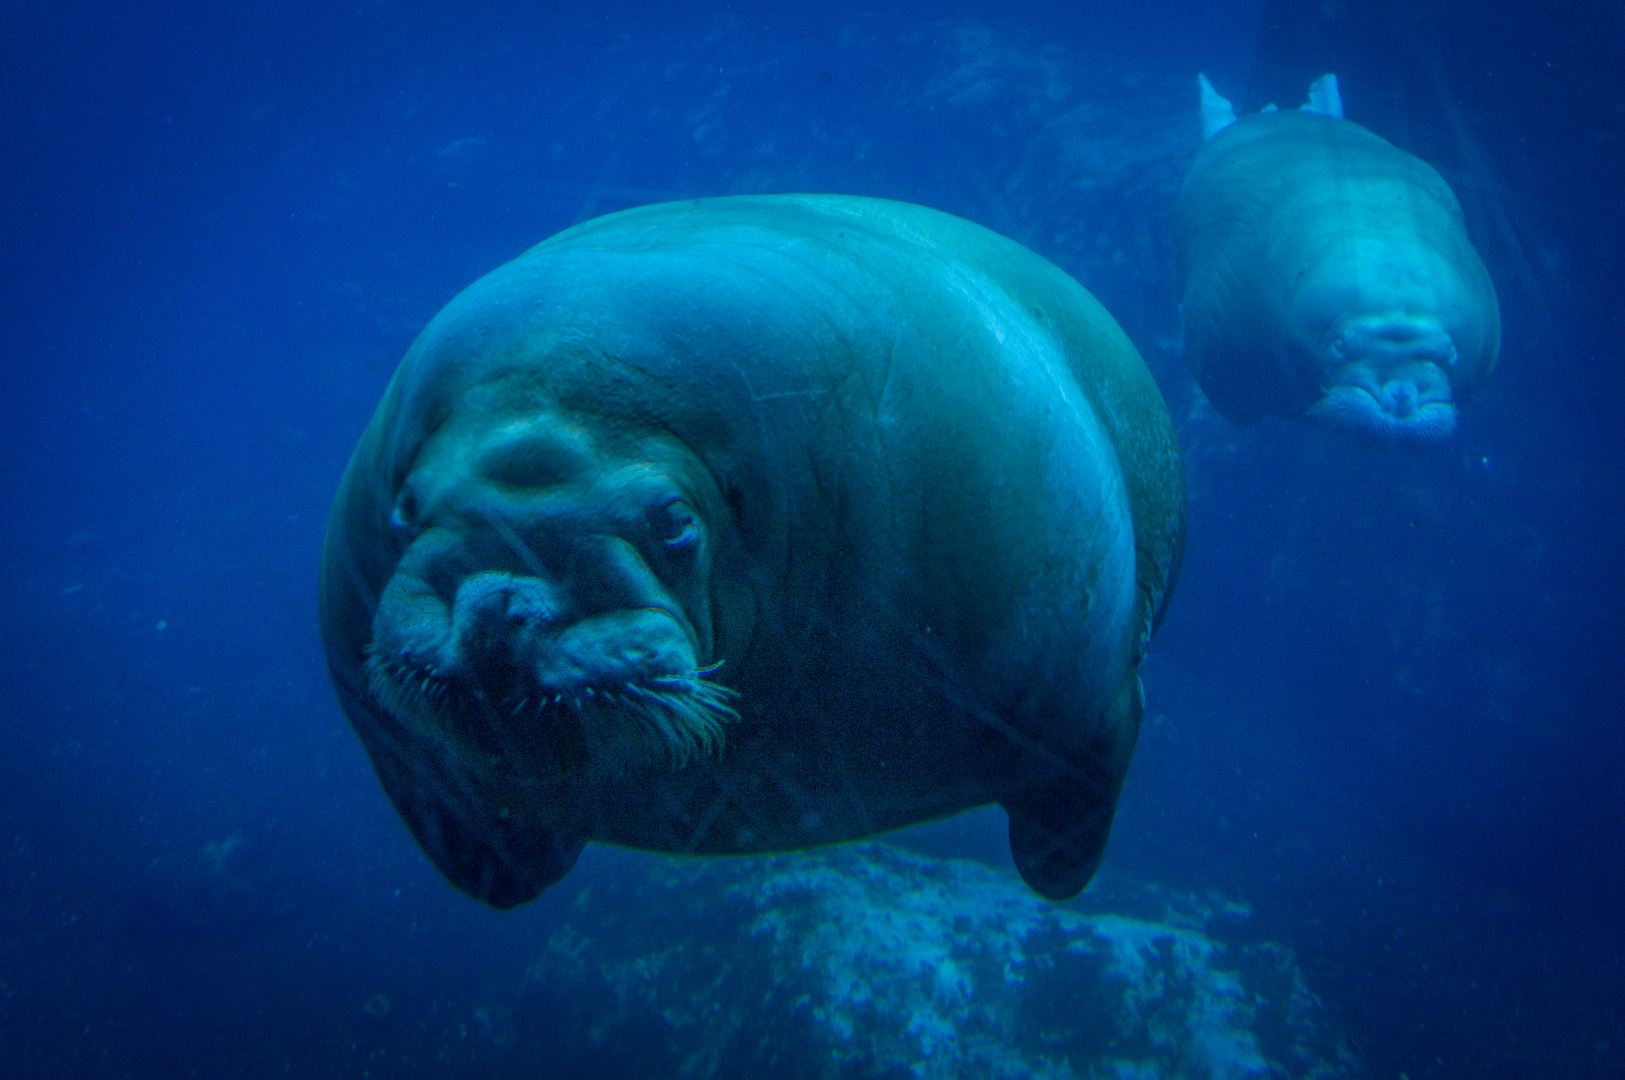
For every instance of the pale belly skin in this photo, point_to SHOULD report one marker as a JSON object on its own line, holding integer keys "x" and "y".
{"x": 751, "y": 524}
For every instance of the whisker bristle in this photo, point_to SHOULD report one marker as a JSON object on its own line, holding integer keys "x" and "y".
{"x": 662, "y": 719}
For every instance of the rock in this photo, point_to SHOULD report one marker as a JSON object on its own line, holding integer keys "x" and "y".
{"x": 867, "y": 960}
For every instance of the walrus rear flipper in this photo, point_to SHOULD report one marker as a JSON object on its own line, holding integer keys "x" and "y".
{"x": 1058, "y": 827}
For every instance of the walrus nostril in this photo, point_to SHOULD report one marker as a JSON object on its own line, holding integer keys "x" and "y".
{"x": 501, "y": 598}
{"x": 1401, "y": 398}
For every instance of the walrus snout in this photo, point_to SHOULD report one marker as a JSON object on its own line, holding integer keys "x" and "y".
{"x": 511, "y": 658}
{"x": 615, "y": 649}
{"x": 499, "y": 618}
{"x": 527, "y": 625}
{"x": 1388, "y": 378}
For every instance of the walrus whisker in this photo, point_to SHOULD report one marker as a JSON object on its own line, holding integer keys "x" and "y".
{"x": 663, "y": 726}
{"x": 680, "y": 715}
{"x": 418, "y": 694}
{"x": 619, "y": 747}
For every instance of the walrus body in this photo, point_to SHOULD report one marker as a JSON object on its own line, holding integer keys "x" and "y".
{"x": 1328, "y": 276}
{"x": 749, "y": 524}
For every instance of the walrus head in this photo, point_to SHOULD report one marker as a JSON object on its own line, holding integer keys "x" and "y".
{"x": 551, "y": 612}
{"x": 1384, "y": 324}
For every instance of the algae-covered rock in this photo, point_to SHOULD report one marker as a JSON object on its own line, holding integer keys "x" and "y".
{"x": 871, "y": 961}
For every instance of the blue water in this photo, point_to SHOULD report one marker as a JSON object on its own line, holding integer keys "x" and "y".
{"x": 1384, "y": 713}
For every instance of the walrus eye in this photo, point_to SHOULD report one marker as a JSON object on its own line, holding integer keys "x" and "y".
{"x": 405, "y": 511}
{"x": 677, "y": 526}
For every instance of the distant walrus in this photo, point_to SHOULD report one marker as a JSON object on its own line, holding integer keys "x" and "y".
{"x": 1328, "y": 275}
{"x": 748, "y": 524}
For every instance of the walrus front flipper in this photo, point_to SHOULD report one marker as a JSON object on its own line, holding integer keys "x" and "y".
{"x": 481, "y": 848}
{"x": 1059, "y": 826}
{"x": 1058, "y": 838}
{"x": 490, "y": 859}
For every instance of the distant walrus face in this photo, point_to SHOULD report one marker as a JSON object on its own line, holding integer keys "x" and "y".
{"x": 1387, "y": 376}
{"x": 551, "y": 611}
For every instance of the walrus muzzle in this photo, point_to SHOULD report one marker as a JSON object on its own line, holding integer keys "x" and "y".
{"x": 1389, "y": 378}
{"x": 504, "y": 665}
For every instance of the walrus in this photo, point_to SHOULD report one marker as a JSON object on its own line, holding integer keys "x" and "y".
{"x": 750, "y": 524}
{"x": 1328, "y": 276}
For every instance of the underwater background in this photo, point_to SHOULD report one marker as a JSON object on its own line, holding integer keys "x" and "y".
{"x": 1375, "y": 823}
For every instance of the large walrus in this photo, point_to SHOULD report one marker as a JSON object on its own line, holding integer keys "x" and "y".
{"x": 1328, "y": 275}
{"x": 748, "y": 524}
